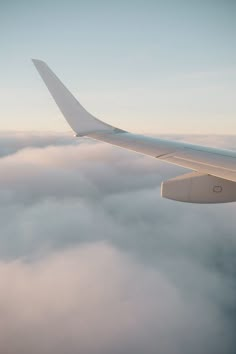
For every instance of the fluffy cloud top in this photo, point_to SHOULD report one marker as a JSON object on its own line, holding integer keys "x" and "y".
{"x": 92, "y": 260}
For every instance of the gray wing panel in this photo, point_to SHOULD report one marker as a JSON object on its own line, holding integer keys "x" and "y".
{"x": 219, "y": 163}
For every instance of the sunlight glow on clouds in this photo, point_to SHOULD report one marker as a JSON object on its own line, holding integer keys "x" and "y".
{"x": 92, "y": 260}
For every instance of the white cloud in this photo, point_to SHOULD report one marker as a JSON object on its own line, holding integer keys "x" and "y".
{"x": 94, "y": 299}
{"x": 92, "y": 260}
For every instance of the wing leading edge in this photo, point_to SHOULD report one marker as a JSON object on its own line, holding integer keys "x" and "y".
{"x": 205, "y": 161}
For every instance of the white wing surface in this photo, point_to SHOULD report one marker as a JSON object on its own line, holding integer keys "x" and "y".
{"x": 214, "y": 179}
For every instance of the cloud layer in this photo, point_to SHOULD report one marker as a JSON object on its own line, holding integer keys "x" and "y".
{"x": 92, "y": 260}
{"x": 95, "y": 299}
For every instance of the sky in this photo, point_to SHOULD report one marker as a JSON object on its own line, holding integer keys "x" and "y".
{"x": 145, "y": 66}
{"x": 94, "y": 261}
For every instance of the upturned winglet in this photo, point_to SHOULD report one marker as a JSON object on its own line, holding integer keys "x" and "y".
{"x": 81, "y": 121}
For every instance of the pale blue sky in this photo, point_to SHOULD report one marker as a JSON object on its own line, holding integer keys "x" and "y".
{"x": 146, "y": 66}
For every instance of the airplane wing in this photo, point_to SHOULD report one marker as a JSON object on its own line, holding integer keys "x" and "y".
{"x": 214, "y": 176}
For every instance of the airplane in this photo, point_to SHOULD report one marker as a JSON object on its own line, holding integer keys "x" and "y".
{"x": 213, "y": 175}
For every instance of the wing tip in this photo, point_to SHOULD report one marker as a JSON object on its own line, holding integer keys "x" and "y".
{"x": 37, "y": 62}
